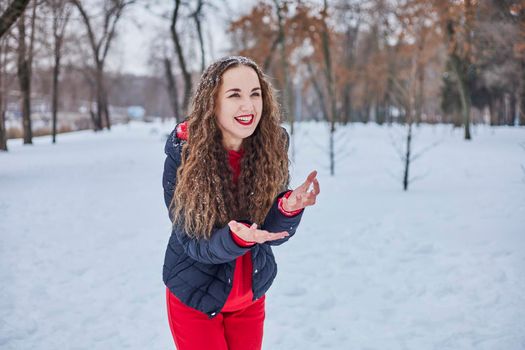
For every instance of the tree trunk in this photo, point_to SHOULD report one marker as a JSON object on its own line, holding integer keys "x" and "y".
{"x": 100, "y": 49}
{"x": 521, "y": 112}
{"x": 268, "y": 59}
{"x": 420, "y": 89}
{"x": 380, "y": 111}
{"x": 347, "y": 104}
{"x": 287, "y": 93}
{"x": 492, "y": 111}
{"x": 349, "y": 58}
{"x": 318, "y": 91}
{"x": 102, "y": 98}
{"x": 182, "y": 62}
{"x": 506, "y": 110}
{"x": 329, "y": 73}
{"x": 463, "y": 94}
{"x": 407, "y": 153}
{"x": 500, "y": 110}
{"x": 94, "y": 118}
{"x": 365, "y": 109}
{"x": 25, "y": 82}
{"x": 197, "y": 19}
{"x": 172, "y": 89}
{"x": 101, "y": 117}
{"x": 522, "y": 95}
{"x": 56, "y": 72}
{"x": 512, "y": 109}
{"x": 105, "y": 105}
{"x": 61, "y": 14}
{"x": 3, "y": 131}
{"x": 332, "y": 147}
{"x": 460, "y": 64}
{"x": 99, "y": 126}
{"x": 97, "y": 115}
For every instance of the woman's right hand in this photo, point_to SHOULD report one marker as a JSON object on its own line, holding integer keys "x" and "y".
{"x": 252, "y": 234}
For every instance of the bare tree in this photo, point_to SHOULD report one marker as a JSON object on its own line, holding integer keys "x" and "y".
{"x": 61, "y": 11}
{"x": 112, "y": 12}
{"x": 3, "y": 61}
{"x": 404, "y": 95}
{"x": 161, "y": 59}
{"x": 406, "y": 91}
{"x": 173, "y": 91}
{"x": 520, "y": 50}
{"x": 280, "y": 11}
{"x": 350, "y": 14}
{"x": 499, "y": 45}
{"x": 186, "y": 75}
{"x": 11, "y": 13}
{"x": 197, "y": 17}
{"x": 325, "y": 40}
{"x": 320, "y": 68}
{"x": 7, "y": 18}
{"x": 457, "y": 22}
{"x": 25, "y": 61}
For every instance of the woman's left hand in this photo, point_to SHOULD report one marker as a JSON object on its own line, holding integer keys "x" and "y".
{"x": 301, "y": 197}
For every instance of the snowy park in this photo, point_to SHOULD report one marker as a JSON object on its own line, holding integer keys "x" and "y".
{"x": 412, "y": 112}
{"x": 83, "y": 229}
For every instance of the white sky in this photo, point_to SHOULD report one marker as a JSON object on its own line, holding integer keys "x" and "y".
{"x": 138, "y": 27}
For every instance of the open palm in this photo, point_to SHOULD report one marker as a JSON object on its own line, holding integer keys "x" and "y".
{"x": 301, "y": 197}
{"x": 253, "y": 234}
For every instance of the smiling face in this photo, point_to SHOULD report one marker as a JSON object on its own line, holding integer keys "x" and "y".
{"x": 239, "y": 105}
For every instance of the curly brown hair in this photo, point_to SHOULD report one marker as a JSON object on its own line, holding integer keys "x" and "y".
{"x": 205, "y": 195}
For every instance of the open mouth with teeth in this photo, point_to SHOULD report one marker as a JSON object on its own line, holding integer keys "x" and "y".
{"x": 246, "y": 119}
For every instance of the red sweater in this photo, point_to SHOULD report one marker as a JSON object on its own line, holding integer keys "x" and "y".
{"x": 241, "y": 294}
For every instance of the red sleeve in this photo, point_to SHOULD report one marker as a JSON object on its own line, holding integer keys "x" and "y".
{"x": 241, "y": 242}
{"x": 285, "y": 212}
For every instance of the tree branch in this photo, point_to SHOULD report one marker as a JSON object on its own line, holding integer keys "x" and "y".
{"x": 424, "y": 150}
{"x": 419, "y": 177}
{"x": 11, "y": 14}
{"x": 398, "y": 150}
{"x": 91, "y": 35}
{"x": 111, "y": 33}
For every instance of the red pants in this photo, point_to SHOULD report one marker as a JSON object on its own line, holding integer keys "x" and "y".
{"x": 236, "y": 330}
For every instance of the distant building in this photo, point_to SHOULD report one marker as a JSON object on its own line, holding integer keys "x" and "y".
{"x": 136, "y": 112}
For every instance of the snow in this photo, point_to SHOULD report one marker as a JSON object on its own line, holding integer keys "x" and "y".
{"x": 83, "y": 230}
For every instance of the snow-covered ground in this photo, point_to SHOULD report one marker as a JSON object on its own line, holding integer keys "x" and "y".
{"x": 83, "y": 230}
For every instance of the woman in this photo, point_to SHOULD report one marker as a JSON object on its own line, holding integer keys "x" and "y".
{"x": 225, "y": 184}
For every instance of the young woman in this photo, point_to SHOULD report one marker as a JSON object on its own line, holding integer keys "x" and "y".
{"x": 225, "y": 184}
